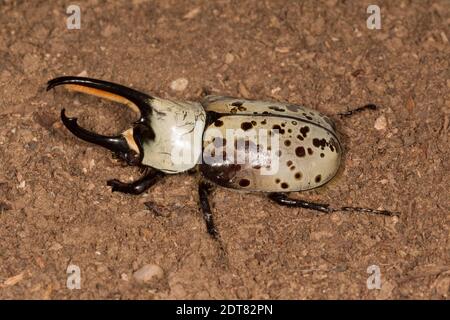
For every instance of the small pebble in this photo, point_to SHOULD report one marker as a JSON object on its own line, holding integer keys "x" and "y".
{"x": 82, "y": 74}
{"x": 229, "y": 58}
{"x": 148, "y": 272}
{"x": 56, "y": 247}
{"x": 243, "y": 91}
{"x": 192, "y": 14}
{"x": 381, "y": 123}
{"x": 179, "y": 85}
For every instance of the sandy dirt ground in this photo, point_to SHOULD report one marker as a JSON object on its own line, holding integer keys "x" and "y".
{"x": 55, "y": 207}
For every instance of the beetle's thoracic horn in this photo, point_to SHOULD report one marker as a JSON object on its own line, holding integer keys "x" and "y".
{"x": 116, "y": 144}
{"x": 138, "y": 101}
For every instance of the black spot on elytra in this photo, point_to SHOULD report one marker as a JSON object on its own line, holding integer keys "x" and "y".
{"x": 322, "y": 155}
{"x": 277, "y": 180}
{"x": 298, "y": 175}
{"x": 244, "y": 182}
{"x": 294, "y": 123}
{"x": 306, "y": 116}
{"x": 264, "y": 121}
{"x": 319, "y": 143}
{"x": 246, "y": 126}
{"x": 292, "y": 168}
{"x": 275, "y": 108}
{"x": 218, "y": 123}
{"x": 265, "y": 112}
{"x": 284, "y": 185}
{"x": 299, "y": 137}
{"x": 304, "y": 131}
{"x": 279, "y": 153}
{"x": 289, "y": 163}
{"x": 300, "y": 151}
{"x": 287, "y": 143}
{"x": 254, "y": 122}
{"x": 237, "y": 103}
{"x": 310, "y": 152}
{"x": 277, "y": 127}
{"x": 318, "y": 178}
{"x": 289, "y": 130}
{"x": 322, "y": 143}
{"x": 334, "y": 143}
{"x": 257, "y": 166}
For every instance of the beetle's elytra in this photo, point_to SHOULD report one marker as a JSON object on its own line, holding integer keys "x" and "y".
{"x": 301, "y": 149}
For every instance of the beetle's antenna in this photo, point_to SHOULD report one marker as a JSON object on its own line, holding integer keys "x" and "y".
{"x": 348, "y": 113}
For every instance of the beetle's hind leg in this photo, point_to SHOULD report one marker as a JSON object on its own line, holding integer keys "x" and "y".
{"x": 150, "y": 177}
{"x": 284, "y": 200}
{"x": 348, "y": 113}
{"x": 204, "y": 190}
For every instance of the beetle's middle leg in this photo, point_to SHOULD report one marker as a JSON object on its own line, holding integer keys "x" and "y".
{"x": 204, "y": 190}
{"x": 150, "y": 177}
{"x": 283, "y": 199}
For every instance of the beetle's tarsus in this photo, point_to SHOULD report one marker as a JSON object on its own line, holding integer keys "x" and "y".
{"x": 138, "y": 186}
{"x": 370, "y": 106}
{"x": 283, "y": 199}
{"x": 204, "y": 190}
{"x": 370, "y": 211}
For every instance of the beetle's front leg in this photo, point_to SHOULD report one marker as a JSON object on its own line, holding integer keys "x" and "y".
{"x": 204, "y": 190}
{"x": 137, "y": 187}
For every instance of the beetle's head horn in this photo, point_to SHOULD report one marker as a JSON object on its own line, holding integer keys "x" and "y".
{"x": 127, "y": 145}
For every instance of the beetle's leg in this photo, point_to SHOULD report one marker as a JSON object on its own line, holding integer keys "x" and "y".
{"x": 370, "y": 106}
{"x": 137, "y": 187}
{"x": 283, "y": 199}
{"x": 204, "y": 190}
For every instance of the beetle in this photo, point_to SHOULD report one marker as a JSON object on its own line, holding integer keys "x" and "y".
{"x": 308, "y": 153}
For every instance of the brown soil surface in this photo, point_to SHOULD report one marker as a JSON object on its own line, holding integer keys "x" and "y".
{"x": 55, "y": 207}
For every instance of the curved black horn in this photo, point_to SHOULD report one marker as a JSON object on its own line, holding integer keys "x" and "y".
{"x": 116, "y": 144}
{"x": 141, "y": 100}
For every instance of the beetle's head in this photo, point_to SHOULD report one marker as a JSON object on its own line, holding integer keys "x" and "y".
{"x": 128, "y": 144}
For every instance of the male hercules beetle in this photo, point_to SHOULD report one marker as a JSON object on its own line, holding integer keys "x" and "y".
{"x": 307, "y": 152}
